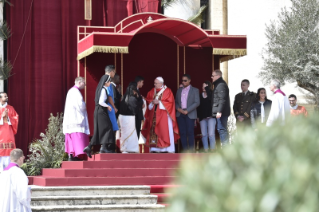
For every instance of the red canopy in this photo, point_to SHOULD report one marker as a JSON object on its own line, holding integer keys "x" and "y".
{"x": 184, "y": 33}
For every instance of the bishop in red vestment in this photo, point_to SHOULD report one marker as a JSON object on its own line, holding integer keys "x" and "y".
{"x": 160, "y": 127}
{"x": 8, "y": 128}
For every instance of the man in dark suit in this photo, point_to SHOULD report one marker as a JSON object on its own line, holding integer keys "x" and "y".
{"x": 242, "y": 105}
{"x": 115, "y": 81}
{"x": 221, "y": 105}
{"x": 139, "y": 117}
{"x": 186, "y": 102}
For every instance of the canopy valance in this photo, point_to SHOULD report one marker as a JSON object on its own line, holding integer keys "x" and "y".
{"x": 117, "y": 39}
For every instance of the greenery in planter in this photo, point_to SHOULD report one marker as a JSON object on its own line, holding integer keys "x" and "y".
{"x": 275, "y": 169}
{"x": 47, "y": 152}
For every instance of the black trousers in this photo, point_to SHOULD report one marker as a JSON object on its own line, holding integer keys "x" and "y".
{"x": 138, "y": 123}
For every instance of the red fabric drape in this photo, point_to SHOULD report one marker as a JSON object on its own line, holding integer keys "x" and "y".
{"x": 117, "y": 10}
{"x": 46, "y": 64}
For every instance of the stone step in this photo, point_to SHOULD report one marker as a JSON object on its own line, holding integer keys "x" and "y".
{"x": 107, "y": 172}
{"x": 99, "y": 208}
{"x": 162, "y": 198}
{"x": 39, "y": 191}
{"x": 94, "y": 200}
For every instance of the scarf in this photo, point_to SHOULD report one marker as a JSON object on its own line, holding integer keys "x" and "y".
{"x": 10, "y": 166}
{"x": 280, "y": 91}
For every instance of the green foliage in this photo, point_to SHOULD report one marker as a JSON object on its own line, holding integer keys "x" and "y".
{"x": 47, "y": 152}
{"x": 198, "y": 17}
{"x": 5, "y": 70}
{"x": 5, "y": 31}
{"x": 291, "y": 53}
{"x": 272, "y": 170}
{"x": 6, "y": 1}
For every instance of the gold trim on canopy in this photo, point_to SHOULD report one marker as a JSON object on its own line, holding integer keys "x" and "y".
{"x": 231, "y": 57}
{"x": 237, "y": 52}
{"x": 103, "y": 49}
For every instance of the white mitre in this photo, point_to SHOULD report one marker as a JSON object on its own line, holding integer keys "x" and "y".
{"x": 160, "y": 79}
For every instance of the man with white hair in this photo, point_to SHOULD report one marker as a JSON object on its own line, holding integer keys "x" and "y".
{"x": 160, "y": 127}
{"x": 75, "y": 121}
{"x": 280, "y": 108}
{"x": 15, "y": 194}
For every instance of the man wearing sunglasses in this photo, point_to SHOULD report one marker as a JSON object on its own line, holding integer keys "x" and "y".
{"x": 186, "y": 102}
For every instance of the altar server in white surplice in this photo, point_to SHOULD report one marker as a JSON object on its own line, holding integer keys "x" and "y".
{"x": 15, "y": 195}
{"x": 129, "y": 107}
{"x": 75, "y": 121}
{"x": 280, "y": 107}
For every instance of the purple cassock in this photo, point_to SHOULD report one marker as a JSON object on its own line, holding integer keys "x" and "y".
{"x": 75, "y": 143}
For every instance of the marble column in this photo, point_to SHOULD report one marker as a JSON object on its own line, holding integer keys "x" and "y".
{"x": 1, "y": 46}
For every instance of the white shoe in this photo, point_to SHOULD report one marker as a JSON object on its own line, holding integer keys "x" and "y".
{"x": 124, "y": 152}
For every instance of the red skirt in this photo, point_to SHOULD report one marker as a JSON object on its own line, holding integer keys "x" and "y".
{"x": 7, "y": 142}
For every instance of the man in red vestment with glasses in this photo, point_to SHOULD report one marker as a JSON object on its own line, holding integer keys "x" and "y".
{"x": 8, "y": 128}
{"x": 160, "y": 127}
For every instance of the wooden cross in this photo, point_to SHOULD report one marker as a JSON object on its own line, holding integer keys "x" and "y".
{"x": 87, "y": 9}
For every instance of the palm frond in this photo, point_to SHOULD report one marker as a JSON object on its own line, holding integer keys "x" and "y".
{"x": 6, "y": 1}
{"x": 198, "y": 17}
{"x": 47, "y": 152}
{"x": 5, "y": 70}
{"x": 5, "y": 31}
{"x": 169, "y": 3}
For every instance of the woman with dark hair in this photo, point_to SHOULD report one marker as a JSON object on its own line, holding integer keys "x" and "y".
{"x": 204, "y": 116}
{"x": 103, "y": 130}
{"x": 260, "y": 109}
{"x": 128, "y": 109}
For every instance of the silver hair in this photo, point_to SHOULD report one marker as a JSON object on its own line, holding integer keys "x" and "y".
{"x": 16, "y": 154}
{"x": 218, "y": 72}
{"x": 275, "y": 83}
{"x": 109, "y": 69}
{"x": 79, "y": 79}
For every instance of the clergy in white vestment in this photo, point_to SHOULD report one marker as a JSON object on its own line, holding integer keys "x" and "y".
{"x": 160, "y": 127}
{"x": 75, "y": 121}
{"x": 280, "y": 108}
{"x": 129, "y": 106}
{"x": 15, "y": 195}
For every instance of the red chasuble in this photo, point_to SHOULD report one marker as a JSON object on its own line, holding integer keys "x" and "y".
{"x": 7, "y": 132}
{"x": 161, "y": 126}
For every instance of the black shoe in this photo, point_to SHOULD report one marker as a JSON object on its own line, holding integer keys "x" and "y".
{"x": 74, "y": 159}
{"x": 105, "y": 150}
{"x": 87, "y": 150}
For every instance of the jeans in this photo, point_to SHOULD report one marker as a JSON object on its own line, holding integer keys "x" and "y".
{"x": 222, "y": 129}
{"x": 209, "y": 125}
{"x": 186, "y": 130}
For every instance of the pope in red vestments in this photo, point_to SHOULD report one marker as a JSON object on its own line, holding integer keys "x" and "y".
{"x": 8, "y": 128}
{"x": 160, "y": 127}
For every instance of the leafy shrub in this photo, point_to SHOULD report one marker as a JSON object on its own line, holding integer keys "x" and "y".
{"x": 47, "y": 152}
{"x": 275, "y": 169}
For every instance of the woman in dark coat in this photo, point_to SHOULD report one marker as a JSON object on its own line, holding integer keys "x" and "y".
{"x": 103, "y": 131}
{"x": 204, "y": 116}
{"x": 260, "y": 109}
{"x": 130, "y": 103}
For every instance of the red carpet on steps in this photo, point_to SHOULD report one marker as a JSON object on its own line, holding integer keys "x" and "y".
{"x": 154, "y": 170}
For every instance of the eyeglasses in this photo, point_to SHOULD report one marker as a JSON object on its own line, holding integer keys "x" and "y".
{"x": 214, "y": 75}
{"x": 292, "y": 100}
{"x": 184, "y": 80}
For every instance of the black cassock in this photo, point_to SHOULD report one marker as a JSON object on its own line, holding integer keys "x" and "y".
{"x": 103, "y": 131}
